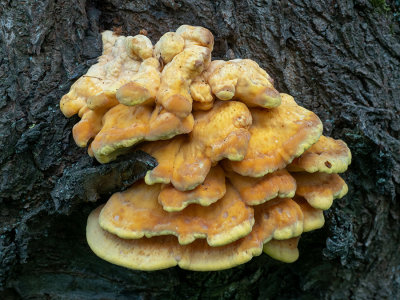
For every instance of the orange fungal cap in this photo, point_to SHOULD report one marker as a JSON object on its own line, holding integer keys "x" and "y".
{"x": 327, "y": 155}
{"x": 255, "y": 191}
{"x": 211, "y": 190}
{"x": 125, "y": 126}
{"x": 320, "y": 189}
{"x": 278, "y": 135}
{"x": 244, "y": 80}
{"x": 164, "y": 251}
{"x": 136, "y": 212}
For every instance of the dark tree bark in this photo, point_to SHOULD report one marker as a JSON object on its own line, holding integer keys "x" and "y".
{"x": 340, "y": 59}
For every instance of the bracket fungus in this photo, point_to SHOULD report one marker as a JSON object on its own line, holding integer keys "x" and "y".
{"x": 127, "y": 215}
{"x": 212, "y": 189}
{"x": 320, "y": 189}
{"x": 283, "y": 250}
{"x": 241, "y": 169}
{"x": 327, "y": 155}
{"x": 222, "y": 132}
{"x": 243, "y": 79}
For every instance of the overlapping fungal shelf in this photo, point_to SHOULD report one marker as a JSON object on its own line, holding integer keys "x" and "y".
{"x": 241, "y": 169}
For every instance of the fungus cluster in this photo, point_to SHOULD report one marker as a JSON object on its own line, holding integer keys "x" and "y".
{"x": 241, "y": 169}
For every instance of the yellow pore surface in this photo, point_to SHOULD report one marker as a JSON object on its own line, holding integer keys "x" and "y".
{"x": 283, "y": 250}
{"x": 313, "y": 217}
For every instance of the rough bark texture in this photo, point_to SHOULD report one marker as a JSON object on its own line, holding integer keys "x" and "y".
{"x": 340, "y": 59}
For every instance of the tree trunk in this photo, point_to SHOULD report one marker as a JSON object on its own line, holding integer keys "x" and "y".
{"x": 340, "y": 59}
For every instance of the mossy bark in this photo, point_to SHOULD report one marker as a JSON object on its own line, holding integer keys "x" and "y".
{"x": 340, "y": 59}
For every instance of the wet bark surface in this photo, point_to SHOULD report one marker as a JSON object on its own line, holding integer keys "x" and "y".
{"x": 340, "y": 59}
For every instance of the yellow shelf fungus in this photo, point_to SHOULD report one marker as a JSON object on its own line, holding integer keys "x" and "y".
{"x": 241, "y": 169}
